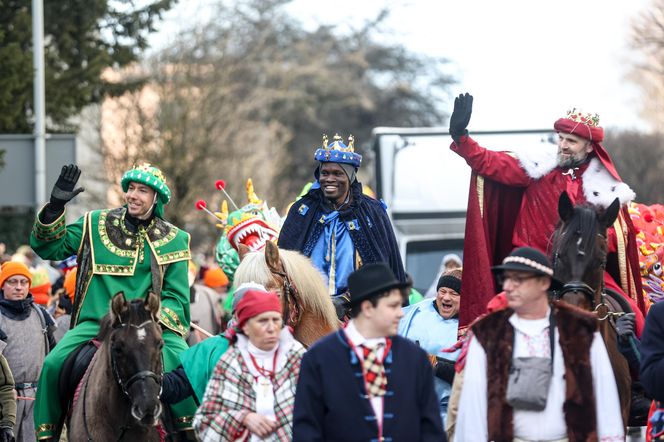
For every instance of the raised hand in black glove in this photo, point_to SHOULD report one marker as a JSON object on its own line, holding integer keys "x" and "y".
{"x": 625, "y": 326}
{"x": 463, "y": 108}
{"x": 6, "y": 434}
{"x": 63, "y": 190}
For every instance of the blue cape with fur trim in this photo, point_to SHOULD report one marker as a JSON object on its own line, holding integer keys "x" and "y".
{"x": 366, "y": 220}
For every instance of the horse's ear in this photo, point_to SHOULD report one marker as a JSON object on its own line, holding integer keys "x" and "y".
{"x": 272, "y": 256}
{"x": 152, "y": 304}
{"x": 565, "y": 207}
{"x": 610, "y": 214}
{"x": 118, "y": 306}
{"x": 242, "y": 250}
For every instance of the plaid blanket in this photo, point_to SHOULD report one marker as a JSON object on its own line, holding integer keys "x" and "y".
{"x": 229, "y": 397}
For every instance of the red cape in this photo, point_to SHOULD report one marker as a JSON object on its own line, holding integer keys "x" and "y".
{"x": 488, "y": 239}
{"x": 490, "y": 219}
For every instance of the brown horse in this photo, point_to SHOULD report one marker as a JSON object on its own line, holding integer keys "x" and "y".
{"x": 119, "y": 395}
{"x": 579, "y": 260}
{"x": 307, "y": 307}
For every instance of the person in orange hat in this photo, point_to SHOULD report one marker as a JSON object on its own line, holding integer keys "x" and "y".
{"x": 205, "y": 302}
{"x": 41, "y": 286}
{"x": 63, "y": 304}
{"x": 23, "y": 322}
{"x": 216, "y": 279}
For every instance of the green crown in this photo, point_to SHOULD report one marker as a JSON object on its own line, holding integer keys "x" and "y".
{"x": 150, "y": 176}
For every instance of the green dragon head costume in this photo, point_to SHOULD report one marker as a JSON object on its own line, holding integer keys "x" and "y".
{"x": 252, "y": 225}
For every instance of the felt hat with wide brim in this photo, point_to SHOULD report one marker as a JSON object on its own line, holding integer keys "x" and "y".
{"x": 528, "y": 259}
{"x": 370, "y": 280}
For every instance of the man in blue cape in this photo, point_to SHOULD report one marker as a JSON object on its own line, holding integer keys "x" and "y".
{"x": 336, "y": 225}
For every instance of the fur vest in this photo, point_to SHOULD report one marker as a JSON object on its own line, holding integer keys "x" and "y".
{"x": 575, "y": 329}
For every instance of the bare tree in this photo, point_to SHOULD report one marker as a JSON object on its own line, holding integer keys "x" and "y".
{"x": 648, "y": 74}
{"x": 251, "y": 93}
{"x": 639, "y": 159}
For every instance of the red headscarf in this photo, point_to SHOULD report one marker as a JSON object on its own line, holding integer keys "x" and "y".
{"x": 255, "y": 302}
{"x": 591, "y": 132}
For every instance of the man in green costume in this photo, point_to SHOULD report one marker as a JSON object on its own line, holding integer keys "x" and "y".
{"x": 130, "y": 249}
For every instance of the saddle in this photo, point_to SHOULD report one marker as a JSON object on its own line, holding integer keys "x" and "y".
{"x": 72, "y": 372}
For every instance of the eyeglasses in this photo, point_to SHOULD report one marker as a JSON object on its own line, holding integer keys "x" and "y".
{"x": 17, "y": 282}
{"x": 517, "y": 280}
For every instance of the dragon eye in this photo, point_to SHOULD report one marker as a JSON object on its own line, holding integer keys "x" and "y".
{"x": 657, "y": 269}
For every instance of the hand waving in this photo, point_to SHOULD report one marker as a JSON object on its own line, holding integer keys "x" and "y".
{"x": 64, "y": 188}
{"x": 463, "y": 108}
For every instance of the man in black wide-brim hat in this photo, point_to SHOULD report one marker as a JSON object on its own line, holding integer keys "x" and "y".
{"x": 364, "y": 382}
{"x": 524, "y": 383}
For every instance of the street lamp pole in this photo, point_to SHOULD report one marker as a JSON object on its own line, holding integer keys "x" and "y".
{"x": 39, "y": 101}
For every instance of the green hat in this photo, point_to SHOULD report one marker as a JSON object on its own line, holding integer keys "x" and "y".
{"x": 151, "y": 177}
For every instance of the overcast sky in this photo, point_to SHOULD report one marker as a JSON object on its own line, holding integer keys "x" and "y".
{"x": 526, "y": 62}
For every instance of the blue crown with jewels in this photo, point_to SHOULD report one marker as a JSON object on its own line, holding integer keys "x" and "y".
{"x": 338, "y": 152}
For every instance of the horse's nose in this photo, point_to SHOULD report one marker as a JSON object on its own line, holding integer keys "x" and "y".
{"x": 148, "y": 418}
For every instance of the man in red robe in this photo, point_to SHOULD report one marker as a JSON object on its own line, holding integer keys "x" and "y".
{"x": 513, "y": 202}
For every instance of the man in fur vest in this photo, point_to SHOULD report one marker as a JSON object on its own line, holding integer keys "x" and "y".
{"x": 513, "y": 203}
{"x": 575, "y": 397}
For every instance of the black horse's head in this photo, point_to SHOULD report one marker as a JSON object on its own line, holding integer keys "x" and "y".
{"x": 136, "y": 359}
{"x": 579, "y": 250}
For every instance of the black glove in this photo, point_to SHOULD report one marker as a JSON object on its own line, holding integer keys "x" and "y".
{"x": 341, "y": 305}
{"x": 625, "y": 326}
{"x": 63, "y": 190}
{"x": 6, "y": 434}
{"x": 463, "y": 108}
{"x": 444, "y": 369}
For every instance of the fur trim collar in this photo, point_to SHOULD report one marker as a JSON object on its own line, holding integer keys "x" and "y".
{"x": 538, "y": 161}
{"x": 599, "y": 187}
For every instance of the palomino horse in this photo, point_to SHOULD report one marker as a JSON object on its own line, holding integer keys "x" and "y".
{"x": 307, "y": 307}
{"x": 579, "y": 260}
{"x": 119, "y": 394}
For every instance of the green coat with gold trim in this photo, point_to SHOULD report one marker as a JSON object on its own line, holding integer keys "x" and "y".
{"x": 113, "y": 258}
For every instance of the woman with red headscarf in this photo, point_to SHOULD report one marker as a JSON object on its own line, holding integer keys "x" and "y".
{"x": 251, "y": 393}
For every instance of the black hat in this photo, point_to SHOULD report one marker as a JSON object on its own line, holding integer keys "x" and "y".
{"x": 527, "y": 259}
{"x": 371, "y": 279}
{"x": 450, "y": 280}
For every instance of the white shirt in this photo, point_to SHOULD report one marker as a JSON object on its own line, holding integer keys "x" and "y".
{"x": 357, "y": 339}
{"x": 532, "y": 339}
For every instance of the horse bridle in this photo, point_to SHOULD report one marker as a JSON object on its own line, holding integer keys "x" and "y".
{"x": 141, "y": 375}
{"x": 582, "y": 287}
{"x": 125, "y": 385}
{"x": 290, "y": 293}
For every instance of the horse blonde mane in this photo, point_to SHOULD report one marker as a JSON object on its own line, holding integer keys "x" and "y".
{"x": 308, "y": 280}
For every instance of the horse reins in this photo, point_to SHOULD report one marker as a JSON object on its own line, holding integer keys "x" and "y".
{"x": 290, "y": 292}
{"x": 124, "y": 385}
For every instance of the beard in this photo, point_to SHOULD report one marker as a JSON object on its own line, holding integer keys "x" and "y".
{"x": 570, "y": 161}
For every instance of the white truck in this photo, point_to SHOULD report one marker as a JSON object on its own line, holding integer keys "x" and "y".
{"x": 425, "y": 186}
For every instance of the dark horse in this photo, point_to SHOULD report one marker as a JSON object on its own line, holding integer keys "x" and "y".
{"x": 579, "y": 260}
{"x": 119, "y": 394}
